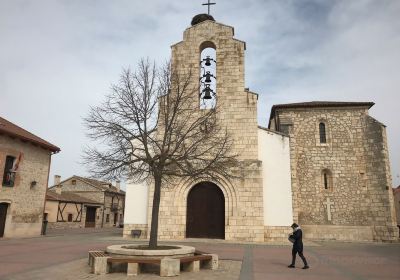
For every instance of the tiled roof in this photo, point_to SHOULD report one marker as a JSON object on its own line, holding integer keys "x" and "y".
{"x": 13, "y": 130}
{"x": 272, "y": 131}
{"x": 319, "y": 104}
{"x": 101, "y": 185}
{"x": 68, "y": 197}
{"x": 106, "y": 186}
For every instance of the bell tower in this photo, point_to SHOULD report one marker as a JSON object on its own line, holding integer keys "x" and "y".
{"x": 214, "y": 60}
{"x": 220, "y": 79}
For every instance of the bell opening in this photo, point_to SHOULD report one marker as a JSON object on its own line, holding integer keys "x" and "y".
{"x": 208, "y": 82}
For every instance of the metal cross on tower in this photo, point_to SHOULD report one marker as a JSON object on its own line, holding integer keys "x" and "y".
{"x": 208, "y": 4}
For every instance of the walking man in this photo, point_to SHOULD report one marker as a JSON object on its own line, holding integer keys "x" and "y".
{"x": 297, "y": 238}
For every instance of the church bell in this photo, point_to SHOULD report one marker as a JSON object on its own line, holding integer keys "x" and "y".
{"x": 207, "y": 92}
{"x": 208, "y": 62}
{"x": 208, "y": 77}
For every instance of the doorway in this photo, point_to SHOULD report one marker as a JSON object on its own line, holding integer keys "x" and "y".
{"x": 90, "y": 221}
{"x": 205, "y": 216}
{"x": 3, "y": 216}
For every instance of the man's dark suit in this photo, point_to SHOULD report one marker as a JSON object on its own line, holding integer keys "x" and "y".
{"x": 298, "y": 246}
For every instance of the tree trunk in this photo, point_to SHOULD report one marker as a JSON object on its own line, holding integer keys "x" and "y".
{"x": 155, "y": 211}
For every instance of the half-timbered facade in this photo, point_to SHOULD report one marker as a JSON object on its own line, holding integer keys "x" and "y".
{"x": 68, "y": 210}
{"x": 103, "y": 204}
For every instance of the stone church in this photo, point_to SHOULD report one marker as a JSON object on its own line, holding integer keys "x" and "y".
{"x": 324, "y": 165}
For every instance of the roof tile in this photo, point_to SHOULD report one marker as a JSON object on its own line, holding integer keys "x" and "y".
{"x": 14, "y": 130}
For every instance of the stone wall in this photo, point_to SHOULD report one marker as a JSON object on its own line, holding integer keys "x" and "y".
{"x": 238, "y": 107}
{"x": 129, "y": 227}
{"x": 118, "y": 200}
{"x": 26, "y": 203}
{"x": 277, "y": 233}
{"x": 380, "y": 181}
{"x": 64, "y": 225}
{"x": 355, "y": 154}
{"x": 335, "y": 232}
{"x": 83, "y": 189}
{"x": 243, "y": 206}
{"x": 396, "y": 198}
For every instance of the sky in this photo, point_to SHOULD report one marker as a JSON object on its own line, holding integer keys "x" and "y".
{"x": 57, "y": 58}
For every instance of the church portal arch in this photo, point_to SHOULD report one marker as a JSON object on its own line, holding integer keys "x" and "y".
{"x": 205, "y": 211}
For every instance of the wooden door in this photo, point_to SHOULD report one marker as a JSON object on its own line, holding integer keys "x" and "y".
{"x": 115, "y": 218}
{"x": 90, "y": 217}
{"x": 205, "y": 212}
{"x": 3, "y": 216}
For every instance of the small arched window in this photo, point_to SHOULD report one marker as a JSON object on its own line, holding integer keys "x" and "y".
{"x": 327, "y": 183}
{"x": 322, "y": 133}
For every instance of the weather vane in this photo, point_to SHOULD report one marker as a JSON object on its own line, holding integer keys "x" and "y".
{"x": 209, "y": 4}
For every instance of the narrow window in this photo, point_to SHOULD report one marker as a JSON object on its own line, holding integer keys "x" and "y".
{"x": 9, "y": 172}
{"x": 69, "y": 217}
{"x": 322, "y": 133}
{"x": 107, "y": 218}
{"x": 327, "y": 181}
{"x": 363, "y": 180}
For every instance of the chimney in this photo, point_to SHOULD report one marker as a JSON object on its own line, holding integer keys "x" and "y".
{"x": 57, "y": 179}
{"x": 118, "y": 185}
{"x": 58, "y": 189}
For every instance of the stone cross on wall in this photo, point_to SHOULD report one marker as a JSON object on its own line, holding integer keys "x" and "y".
{"x": 328, "y": 205}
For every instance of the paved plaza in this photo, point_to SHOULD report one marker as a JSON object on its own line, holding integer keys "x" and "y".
{"x": 63, "y": 255}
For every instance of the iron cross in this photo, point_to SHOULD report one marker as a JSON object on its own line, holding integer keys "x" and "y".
{"x": 208, "y": 4}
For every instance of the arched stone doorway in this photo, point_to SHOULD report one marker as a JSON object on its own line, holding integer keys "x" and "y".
{"x": 3, "y": 216}
{"x": 205, "y": 212}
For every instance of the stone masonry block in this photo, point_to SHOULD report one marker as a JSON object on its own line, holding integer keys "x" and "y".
{"x": 133, "y": 269}
{"x": 192, "y": 266}
{"x": 213, "y": 263}
{"x": 101, "y": 266}
{"x": 169, "y": 267}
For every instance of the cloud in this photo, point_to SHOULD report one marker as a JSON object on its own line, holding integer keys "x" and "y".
{"x": 57, "y": 58}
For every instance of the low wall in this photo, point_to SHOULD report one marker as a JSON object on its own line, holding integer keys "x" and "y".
{"x": 129, "y": 227}
{"x": 350, "y": 233}
{"x": 342, "y": 233}
{"x": 276, "y": 233}
{"x": 22, "y": 230}
{"x": 64, "y": 225}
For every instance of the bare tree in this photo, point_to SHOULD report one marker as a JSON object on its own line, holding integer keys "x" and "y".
{"x": 151, "y": 128}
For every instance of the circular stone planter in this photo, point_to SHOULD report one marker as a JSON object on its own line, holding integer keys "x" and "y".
{"x": 130, "y": 250}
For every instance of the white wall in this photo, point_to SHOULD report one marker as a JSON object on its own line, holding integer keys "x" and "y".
{"x": 136, "y": 203}
{"x": 274, "y": 152}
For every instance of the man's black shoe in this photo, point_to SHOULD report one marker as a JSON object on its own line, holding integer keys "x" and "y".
{"x": 291, "y": 266}
{"x": 306, "y": 267}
